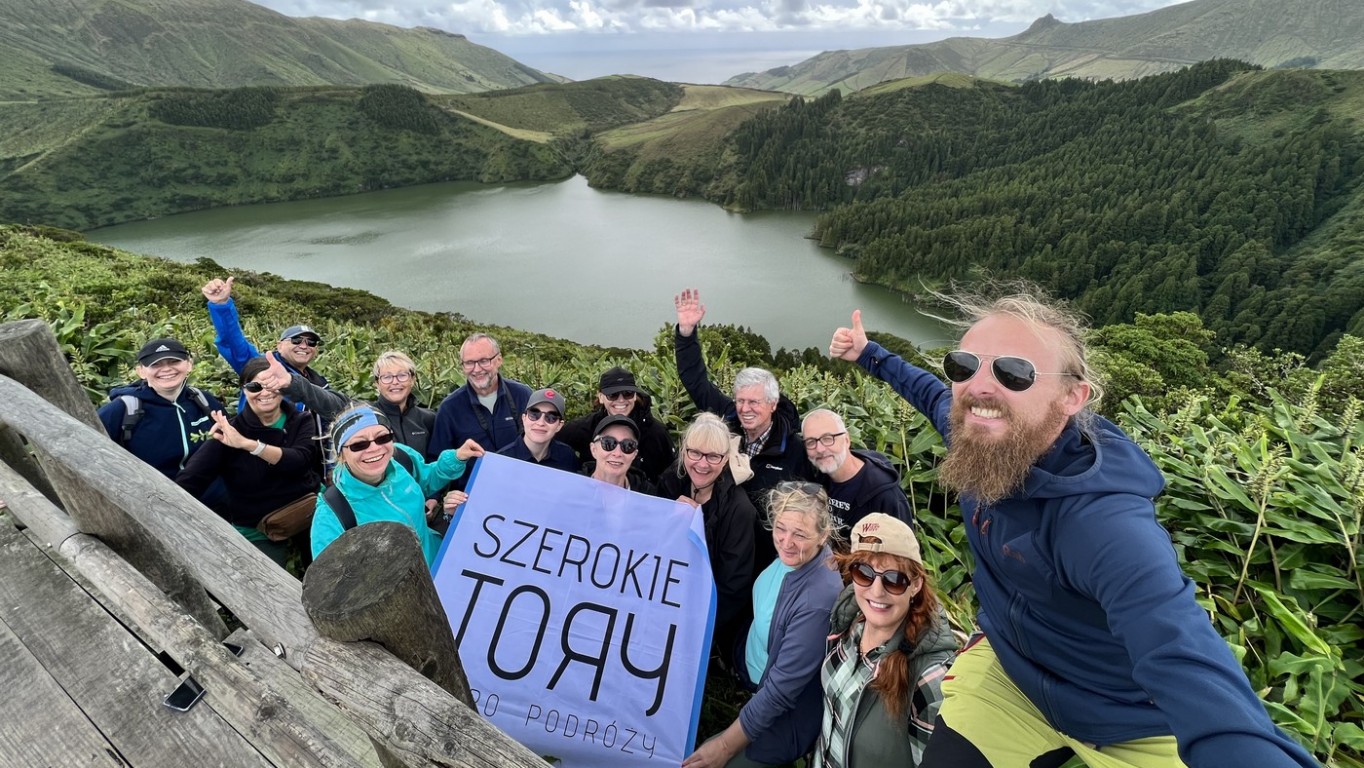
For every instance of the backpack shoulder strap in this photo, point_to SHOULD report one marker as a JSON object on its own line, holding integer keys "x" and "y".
{"x": 340, "y": 507}
{"x": 197, "y": 395}
{"x": 405, "y": 460}
{"x": 132, "y": 413}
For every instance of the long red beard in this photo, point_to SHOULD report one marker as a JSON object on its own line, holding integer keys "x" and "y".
{"x": 990, "y": 469}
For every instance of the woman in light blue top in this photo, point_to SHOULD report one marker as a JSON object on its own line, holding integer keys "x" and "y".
{"x": 785, "y": 644}
{"x": 380, "y": 488}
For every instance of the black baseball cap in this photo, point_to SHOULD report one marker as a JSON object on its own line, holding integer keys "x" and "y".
{"x": 617, "y": 380}
{"x": 161, "y": 349}
{"x": 612, "y": 421}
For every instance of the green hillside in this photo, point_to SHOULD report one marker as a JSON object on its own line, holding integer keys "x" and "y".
{"x": 1265, "y": 480}
{"x": 571, "y": 108}
{"x": 84, "y": 163}
{"x": 73, "y": 49}
{"x": 1271, "y": 33}
{"x": 1221, "y": 190}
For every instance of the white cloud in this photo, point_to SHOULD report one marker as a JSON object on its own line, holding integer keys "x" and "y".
{"x": 548, "y": 17}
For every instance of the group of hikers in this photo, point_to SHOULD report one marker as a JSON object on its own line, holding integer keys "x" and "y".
{"x": 1089, "y": 639}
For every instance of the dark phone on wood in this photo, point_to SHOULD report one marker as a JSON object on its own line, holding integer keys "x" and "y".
{"x": 185, "y": 695}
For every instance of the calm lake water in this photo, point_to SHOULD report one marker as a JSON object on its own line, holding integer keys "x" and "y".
{"x": 559, "y": 258}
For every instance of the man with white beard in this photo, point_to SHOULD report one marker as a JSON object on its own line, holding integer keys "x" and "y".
{"x": 858, "y": 481}
{"x": 1091, "y": 641}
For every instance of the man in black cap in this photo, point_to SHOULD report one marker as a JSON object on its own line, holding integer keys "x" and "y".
{"x": 618, "y": 395}
{"x": 296, "y": 349}
{"x": 160, "y": 418}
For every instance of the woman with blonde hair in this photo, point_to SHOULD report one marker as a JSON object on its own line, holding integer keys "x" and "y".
{"x": 883, "y": 674}
{"x": 784, "y": 646}
{"x": 707, "y": 474}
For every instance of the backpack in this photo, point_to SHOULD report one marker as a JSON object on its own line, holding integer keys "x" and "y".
{"x": 132, "y": 410}
{"x": 342, "y": 508}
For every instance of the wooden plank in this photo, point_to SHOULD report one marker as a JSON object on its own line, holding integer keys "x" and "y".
{"x": 263, "y": 595}
{"x": 418, "y": 721}
{"x": 285, "y": 679}
{"x": 61, "y": 736}
{"x": 115, "y": 681}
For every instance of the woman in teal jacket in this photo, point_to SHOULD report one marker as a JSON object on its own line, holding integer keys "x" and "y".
{"x": 379, "y": 488}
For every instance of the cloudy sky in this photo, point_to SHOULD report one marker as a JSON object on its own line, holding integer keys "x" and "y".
{"x": 703, "y": 40}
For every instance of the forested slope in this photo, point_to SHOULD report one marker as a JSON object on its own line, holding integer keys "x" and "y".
{"x": 1220, "y": 189}
{"x": 92, "y": 162}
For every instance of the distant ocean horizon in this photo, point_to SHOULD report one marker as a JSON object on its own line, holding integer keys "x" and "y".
{"x": 693, "y": 65}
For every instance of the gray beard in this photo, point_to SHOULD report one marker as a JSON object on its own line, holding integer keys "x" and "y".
{"x": 992, "y": 470}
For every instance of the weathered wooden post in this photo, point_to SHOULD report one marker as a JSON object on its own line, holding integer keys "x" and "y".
{"x": 373, "y": 584}
{"x": 31, "y": 356}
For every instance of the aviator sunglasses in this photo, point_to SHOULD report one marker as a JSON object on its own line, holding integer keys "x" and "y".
{"x": 609, "y": 443}
{"x": 299, "y": 341}
{"x": 895, "y": 582}
{"x": 360, "y": 445}
{"x": 1013, "y": 373}
{"x": 550, "y": 417}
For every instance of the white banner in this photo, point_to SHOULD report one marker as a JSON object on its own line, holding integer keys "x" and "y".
{"x": 582, "y": 613}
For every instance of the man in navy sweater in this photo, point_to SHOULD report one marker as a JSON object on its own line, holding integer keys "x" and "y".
{"x": 486, "y": 408}
{"x": 1091, "y": 641}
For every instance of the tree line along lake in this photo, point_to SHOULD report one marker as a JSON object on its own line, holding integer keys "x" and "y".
{"x": 556, "y": 258}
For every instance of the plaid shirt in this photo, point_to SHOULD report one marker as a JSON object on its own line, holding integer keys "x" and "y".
{"x": 847, "y": 673}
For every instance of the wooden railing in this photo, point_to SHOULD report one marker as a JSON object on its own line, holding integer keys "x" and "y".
{"x": 330, "y": 692}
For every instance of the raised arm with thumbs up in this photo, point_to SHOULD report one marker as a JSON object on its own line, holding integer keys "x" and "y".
{"x": 848, "y": 343}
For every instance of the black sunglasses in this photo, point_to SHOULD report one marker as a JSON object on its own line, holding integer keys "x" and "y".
{"x": 609, "y": 443}
{"x": 253, "y": 386}
{"x": 535, "y": 414}
{"x": 360, "y": 445}
{"x": 1013, "y": 373}
{"x": 895, "y": 582}
{"x": 614, "y": 396}
{"x": 299, "y": 341}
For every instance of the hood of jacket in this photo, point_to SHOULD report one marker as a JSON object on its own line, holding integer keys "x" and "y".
{"x": 884, "y": 476}
{"x": 1097, "y": 459}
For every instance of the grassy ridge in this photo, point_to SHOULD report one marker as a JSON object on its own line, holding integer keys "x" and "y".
{"x": 572, "y": 108}
{"x": 72, "y": 49}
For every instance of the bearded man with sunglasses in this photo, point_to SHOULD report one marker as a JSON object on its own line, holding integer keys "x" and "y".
{"x": 1092, "y": 643}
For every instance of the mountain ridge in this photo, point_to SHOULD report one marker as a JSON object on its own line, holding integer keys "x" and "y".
{"x": 67, "y": 48}
{"x": 1327, "y": 34}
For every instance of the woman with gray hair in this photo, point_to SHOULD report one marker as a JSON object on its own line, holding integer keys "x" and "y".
{"x": 707, "y": 474}
{"x": 785, "y": 645}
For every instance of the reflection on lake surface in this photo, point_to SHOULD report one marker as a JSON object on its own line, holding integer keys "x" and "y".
{"x": 558, "y": 258}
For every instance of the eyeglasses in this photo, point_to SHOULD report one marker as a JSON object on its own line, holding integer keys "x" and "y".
{"x": 609, "y": 443}
{"x": 389, "y": 378}
{"x": 613, "y": 397}
{"x": 1013, "y": 373}
{"x": 895, "y": 582}
{"x": 253, "y": 387}
{"x": 482, "y": 362}
{"x": 360, "y": 445}
{"x": 710, "y": 458}
{"x": 299, "y": 341}
{"x": 550, "y": 417}
{"x": 825, "y": 440}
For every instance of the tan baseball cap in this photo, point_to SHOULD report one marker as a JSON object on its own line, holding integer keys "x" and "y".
{"x": 893, "y": 537}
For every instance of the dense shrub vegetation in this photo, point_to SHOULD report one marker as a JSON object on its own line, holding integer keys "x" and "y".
{"x": 235, "y": 109}
{"x": 1264, "y": 456}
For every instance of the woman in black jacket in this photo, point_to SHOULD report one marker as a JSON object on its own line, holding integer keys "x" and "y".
{"x": 267, "y": 456}
{"x": 707, "y": 474}
{"x": 617, "y": 395}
